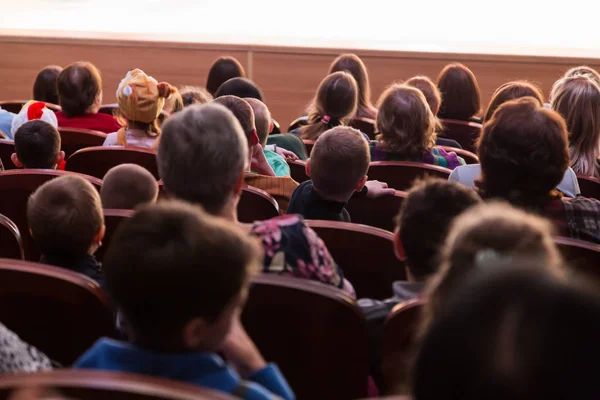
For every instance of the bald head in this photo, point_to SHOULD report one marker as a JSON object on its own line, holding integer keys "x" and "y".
{"x": 262, "y": 119}
{"x": 126, "y": 186}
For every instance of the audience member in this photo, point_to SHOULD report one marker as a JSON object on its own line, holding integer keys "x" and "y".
{"x": 127, "y": 186}
{"x": 6, "y": 118}
{"x": 338, "y": 169}
{"x": 141, "y": 99}
{"x": 406, "y": 129}
{"x": 240, "y": 87}
{"x": 202, "y": 158}
{"x": 194, "y": 95}
{"x": 583, "y": 70}
{"x": 577, "y": 99}
{"x": 37, "y": 145}
{"x": 80, "y": 96}
{"x": 223, "y": 69}
{"x": 18, "y": 356}
{"x": 44, "y": 87}
{"x": 352, "y": 64}
{"x": 180, "y": 279}
{"x": 67, "y": 224}
{"x": 32, "y": 110}
{"x": 510, "y": 91}
{"x": 173, "y": 103}
{"x": 460, "y": 94}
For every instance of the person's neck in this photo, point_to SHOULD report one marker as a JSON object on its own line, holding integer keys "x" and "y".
{"x": 229, "y": 212}
{"x": 339, "y": 199}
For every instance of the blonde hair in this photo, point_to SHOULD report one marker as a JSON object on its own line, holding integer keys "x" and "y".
{"x": 432, "y": 95}
{"x": 577, "y": 99}
{"x": 405, "y": 122}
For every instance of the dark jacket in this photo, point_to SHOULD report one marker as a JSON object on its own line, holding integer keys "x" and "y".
{"x": 308, "y": 203}
{"x": 86, "y": 265}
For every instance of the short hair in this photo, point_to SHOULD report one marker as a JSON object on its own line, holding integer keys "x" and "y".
{"x": 223, "y": 69}
{"x": 262, "y": 119}
{"x": 523, "y": 153}
{"x": 460, "y": 92}
{"x": 429, "y": 89}
{"x": 583, "y": 70}
{"x": 65, "y": 214}
{"x": 44, "y": 87}
{"x": 37, "y": 144}
{"x": 201, "y": 155}
{"x": 405, "y": 122}
{"x": 127, "y": 186}
{"x": 79, "y": 85}
{"x": 170, "y": 263}
{"x": 352, "y": 64}
{"x": 334, "y": 104}
{"x": 240, "y": 87}
{"x": 194, "y": 95}
{"x": 510, "y": 91}
{"x": 242, "y": 112}
{"x": 431, "y": 202}
{"x": 339, "y": 159}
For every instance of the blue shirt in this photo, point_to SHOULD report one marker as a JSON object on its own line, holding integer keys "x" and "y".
{"x": 6, "y": 122}
{"x": 202, "y": 369}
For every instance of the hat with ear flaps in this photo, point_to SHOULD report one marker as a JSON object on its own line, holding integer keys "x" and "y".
{"x": 141, "y": 98}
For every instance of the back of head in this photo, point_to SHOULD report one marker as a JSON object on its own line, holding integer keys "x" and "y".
{"x": 65, "y": 215}
{"x": 460, "y": 92}
{"x": 583, "y": 70}
{"x": 79, "y": 88}
{"x": 338, "y": 162}
{"x": 262, "y": 119}
{"x": 405, "y": 122}
{"x": 436, "y": 203}
{"x": 242, "y": 111}
{"x": 523, "y": 153}
{"x": 577, "y": 99}
{"x": 430, "y": 91}
{"x": 127, "y": 186}
{"x": 223, "y": 69}
{"x": 510, "y": 91}
{"x": 44, "y": 87}
{"x": 171, "y": 263}
{"x": 334, "y": 104}
{"x": 352, "y": 64}
{"x": 37, "y": 144}
{"x": 511, "y": 335}
{"x": 240, "y": 87}
{"x": 202, "y": 154}
{"x": 194, "y": 95}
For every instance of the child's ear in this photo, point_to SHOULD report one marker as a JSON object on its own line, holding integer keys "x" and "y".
{"x": 307, "y": 167}
{"x": 398, "y": 246}
{"x": 361, "y": 184}
{"x": 15, "y": 160}
{"x": 271, "y": 126}
{"x": 59, "y": 158}
{"x": 100, "y": 234}
{"x": 194, "y": 333}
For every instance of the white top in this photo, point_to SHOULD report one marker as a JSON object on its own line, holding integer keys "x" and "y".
{"x": 135, "y": 138}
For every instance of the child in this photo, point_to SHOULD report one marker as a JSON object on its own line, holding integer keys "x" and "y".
{"x": 37, "y": 145}
{"x": 406, "y": 129}
{"x": 352, "y": 64}
{"x": 180, "y": 278}
{"x": 141, "y": 99}
{"x": 194, "y": 95}
{"x": 338, "y": 168}
{"x": 44, "y": 87}
{"x": 460, "y": 93}
{"x": 223, "y": 69}
{"x": 127, "y": 186}
{"x": 32, "y": 110}
{"x": 67, "y": 224}
{"x": 240, "y": 87}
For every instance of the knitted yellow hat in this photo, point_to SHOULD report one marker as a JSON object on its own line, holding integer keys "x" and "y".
{"x": 141, "y": 98}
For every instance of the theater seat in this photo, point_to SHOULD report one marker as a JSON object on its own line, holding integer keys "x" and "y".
{"x": 11, "y": 243}
{"x": 464, "y": 132}
{"x": 590, "y": 186}
{"x": 112, "y": 220}
{"x": 14, "y": 106}
{"x": 365, "y": 125}
{"x": 7, "y": 148}
{"x": 401, "y": 175}
{"x": 97, "y": 161}
{"x": 60, "y": 312}
{"x": 315, "y": 334}
{"x": 309, "y": 144}
{"x": 298, "y": 170}
{"x": 378, "y": 212}
{"x": 256, "y": 205}
{"x": 582, "y": 256}
{"x": 73, "y": 139}
{"x": 469, "y": 157}
{"x": 298, "y": 122}
{"x": 365, "y": 254}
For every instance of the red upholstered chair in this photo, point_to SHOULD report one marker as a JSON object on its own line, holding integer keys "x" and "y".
{"x": 256, "y": 205}
{"x": 590, "y": 186}
{"x": 309, "y": 144}
{"x": 73, "y": 139}
{"x": 469, "y": 157}
{"x": 365, "y": 254}
{"x": 298, "y": 122}
{"x": 15, "y": 188}
{"x": 401, "y": 175}
{"x": 100, "y": 385}
{"x": 398, "y": 338}
{"x": 13, "y": 106}
{"x": 97, "y": 161}
{"x": 11, "y": 243}
{"x": 60, "y": 312}
{"x": 465, "y": 133}
{"x": 365, "y": 125}
{"x": 582, "y": 256}
{"x": 378, "y": 212}
{"x": 315, "y": 334}
{"x": 298, "y": 170}
{"x": 112, "y": 220}
{"x": 7, "y": 148}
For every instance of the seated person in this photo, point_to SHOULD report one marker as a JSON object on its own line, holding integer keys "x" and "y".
{"x": 6, "y": 118}
{"x": 184, "y": 307}
{"x": 37, "y": 145}
{"x": 202, "y": 158}
{"x": 44, "y": 86}
{"x": 407, "y": 130}
{"x": 67, "y": 224}
{"x": 141, "y": 99}
{"x": 338, "y": 169}
{"x": 461, "y": 98}
{"x": 32, "y": 110}
{"x": 80, "y": 97}
{"x": 127, "y": 186}
{"x": 194, "y": 95}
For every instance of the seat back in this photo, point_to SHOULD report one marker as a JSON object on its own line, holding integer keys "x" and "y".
{"x": 378, "y": 212}
{"x": 256, "y": 205}
{"x": 60, "y": 312}
{"x": 97, "y": 161}
{"x": 298, "y": 122}
{"x": 11, "y": 243}
{"x": 73, "y": 139}
{"x": 15, "y": 188}
{"x": 315, "y": 334}
{"x": 583, "y": 257}
{"x": 309, "y": 144}
{"x": 464, "y": 132}
{"x": 7, "y": 148}
{"x": 100, "y": 385}
{"x": 112, "y": 220}
{"x": 589, "y": 186}
{"x": 470, "y": 158}
{"x": 365, "y": 255}
{"x": 401, "y": 175}
{"x": 365, "y": 125}
{"x": 13, "y": 106}
{"x": 298, "y": 170}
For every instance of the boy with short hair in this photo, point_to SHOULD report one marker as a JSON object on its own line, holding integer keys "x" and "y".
{"x": 127, "y": 186}
{"x": 67, "y": 224}
{"x": 37, "y": 145}
{"x": 180, "y": 278}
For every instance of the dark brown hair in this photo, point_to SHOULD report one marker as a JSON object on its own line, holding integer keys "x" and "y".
{"x": 510, "y": 91}
{"x": 37, "y": 144}
{"x": 223, "y": 69}
{"x": 352, "y": 64}
{"x": 460, "y": 93}
{"x": 126, "y": 186}
{"x": 44, "y": 87}
{"x": 242, "y": 111}
{"x": 79, "y": 85}
{"x": 240, "y": 87}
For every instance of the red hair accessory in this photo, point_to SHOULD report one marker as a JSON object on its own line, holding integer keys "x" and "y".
{"x": 35, "y": 110}
{"x": 326, "y": 119}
